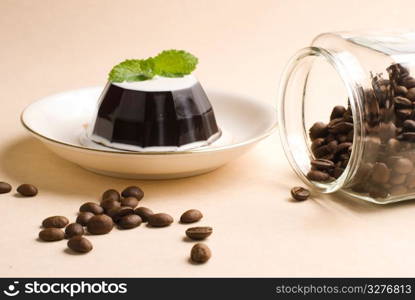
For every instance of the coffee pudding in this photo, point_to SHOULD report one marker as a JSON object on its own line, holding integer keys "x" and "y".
{"x": 160, "y": 113}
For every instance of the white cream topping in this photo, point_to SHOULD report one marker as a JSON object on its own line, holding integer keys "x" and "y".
{"x": 159, "y": 84}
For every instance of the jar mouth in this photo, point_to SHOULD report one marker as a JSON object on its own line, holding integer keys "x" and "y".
{"x": 292, "y": 100}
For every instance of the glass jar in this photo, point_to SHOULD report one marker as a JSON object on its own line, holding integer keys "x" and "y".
{"x": 346, "y": 114}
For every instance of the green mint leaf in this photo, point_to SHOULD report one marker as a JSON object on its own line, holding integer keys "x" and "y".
{"x": 132, "y": 70}
{"x": 174, "y": 63}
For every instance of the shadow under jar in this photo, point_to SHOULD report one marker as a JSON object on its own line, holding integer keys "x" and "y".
{"x": 347, "y": 118}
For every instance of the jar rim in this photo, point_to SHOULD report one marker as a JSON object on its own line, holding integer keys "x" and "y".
{"x": 355, "y": 94}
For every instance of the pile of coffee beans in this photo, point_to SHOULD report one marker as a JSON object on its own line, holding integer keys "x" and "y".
{"x": 25, "y": 190}
{"x": 119, "y": 210}
{"x": 387, "y": 165}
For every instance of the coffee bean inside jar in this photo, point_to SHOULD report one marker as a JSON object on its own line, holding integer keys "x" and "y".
{"x": 386, "y": 165}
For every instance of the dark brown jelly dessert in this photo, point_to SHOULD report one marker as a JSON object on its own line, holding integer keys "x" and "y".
{"x": 142, "y": 119}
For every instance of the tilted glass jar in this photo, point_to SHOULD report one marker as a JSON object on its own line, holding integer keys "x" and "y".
{"x": 347, "y": 117}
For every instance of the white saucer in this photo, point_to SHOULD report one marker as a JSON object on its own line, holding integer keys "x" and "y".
{"x": 59, "y": 121}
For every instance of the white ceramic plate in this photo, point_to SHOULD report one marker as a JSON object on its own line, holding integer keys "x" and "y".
{"x": 60, "y": 120}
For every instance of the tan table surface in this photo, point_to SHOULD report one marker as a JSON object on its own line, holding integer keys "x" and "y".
{"x": 51, "y": 46}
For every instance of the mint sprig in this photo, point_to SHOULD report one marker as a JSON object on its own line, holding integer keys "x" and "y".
{"x": 174, "y": 63}
{"x": 169, "y": 63}
{"x": 132, "y": 70}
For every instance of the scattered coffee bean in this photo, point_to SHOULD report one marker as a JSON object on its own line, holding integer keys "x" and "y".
{"x": 144, "y": 213}
{"x": 51, "y": 234}
{"x": 109, "y": 204}
{"x": 111, "y": 195}
{"x": 129, "y": 201}
{"x": 27, "y": 190}
{"x": 5, "y": 187}
{"x": 129, "y": 221}
{"x": 160, "y": 220}
{"x": 91, "y": 207}
{"x": 200, "y": 253}
{"x": 100, "y": 224}
{"x": 74, "y": 229}
{"x": 299, "y": 193}
{"x": 199, "y": 233}
{"x": 84, "y": 217}
{"x": 133, "y": 191}
{"x": 191, "y": 216}
{"x": 118, "y": 212}
{"x": 79, "y": 244}
{"x": 55, "y": 222}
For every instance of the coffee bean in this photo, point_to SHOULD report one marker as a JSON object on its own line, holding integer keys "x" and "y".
{"x": 401, "y": 90}
{"x": 411, "y": 94}
{"x": 318, "y": 130}
{"x": 341, "y": 127}
{"x": 108, "y": 204}
{"x": 322, "y": 164}
{"x": 337, "y": 172}
{"x": 322, "y": 151}
{"x": 344, "y": 147}
{"x": 316, "y": 175}
{"x": 133, "y": 191}
{"x": 91, "y": 207}
{"x": 317, "y": 143}
{"x": 398, "y": 190}
{"x": 409, "y": 136}
{"x": 199, "y": 233}
{"x": 55, "y": 222}
{"x": 200, "y": 253}
{"x": 338, "y": 112}
{"x": 160, "y": 220}
{"x": 51, "y": 234}
{"x": 129, "y": 221}
{"x": 84, "y": 217}
{"x": 408, "y": 125}
{"x": 27, "y": 190}
{"x": 144, "y": 213}
{"x": 403, "y": 166}
{"x": 332, "y": 146}
{"x": 74, "y": 229}
{"x": 402, "y": 102}
{"x": 129, "y": 201}
{"x": 408, "y": 82}
{"x": 80, "y": 244}
{"x": 299, "y": 193}
{"x": 5, "y": 187}
{"x": 100, "y": 224}
{"x": 387, "y": 131}
{"x": 111, "y": 194}
{"x": 378, "y": 192}
{"x": 404, "y": 113}
{"x": 118, "y": 212}
{"x": 393, "y": 145}
{"x": 381, "y": 173}
{"x": 191, "y": 216}
{"x": 397, "y": 178}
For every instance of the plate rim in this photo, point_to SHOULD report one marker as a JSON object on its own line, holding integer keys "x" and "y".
{"x": 262, "y": 136}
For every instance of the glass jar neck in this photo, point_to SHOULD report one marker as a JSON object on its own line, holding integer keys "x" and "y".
{"x": 295, "y": 103}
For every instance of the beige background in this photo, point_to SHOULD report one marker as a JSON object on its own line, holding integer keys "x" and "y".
{"x": 50, "y": 46}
